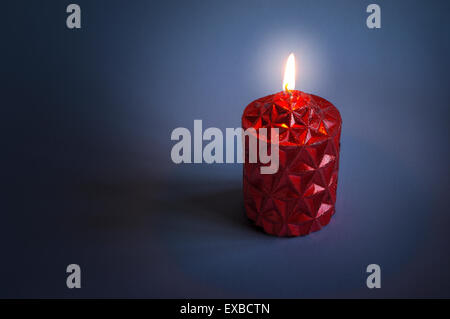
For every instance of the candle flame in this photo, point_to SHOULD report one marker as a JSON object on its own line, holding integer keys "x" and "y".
{"x": 289, "y": 74}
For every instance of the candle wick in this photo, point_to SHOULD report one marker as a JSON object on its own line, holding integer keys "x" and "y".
{"x": 287, "y": 90}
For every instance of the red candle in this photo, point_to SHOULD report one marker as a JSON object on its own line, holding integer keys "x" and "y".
{"x": 300, "y": 197}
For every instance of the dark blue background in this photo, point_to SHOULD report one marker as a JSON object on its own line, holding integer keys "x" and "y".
{"x": 87, "y": 176}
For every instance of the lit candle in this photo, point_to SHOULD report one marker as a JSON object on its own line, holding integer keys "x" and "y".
{"x": 300, "y": 197}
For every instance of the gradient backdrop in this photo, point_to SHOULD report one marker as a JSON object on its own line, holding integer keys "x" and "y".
{"x": 87, "y": 176}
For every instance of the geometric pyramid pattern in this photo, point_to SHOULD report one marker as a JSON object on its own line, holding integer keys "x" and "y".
{"x": 300, "y": 198}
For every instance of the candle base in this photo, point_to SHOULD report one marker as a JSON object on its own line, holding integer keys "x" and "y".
{"x": 300, "y": 198}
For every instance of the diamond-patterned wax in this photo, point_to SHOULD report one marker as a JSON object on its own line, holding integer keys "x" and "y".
{"x": 300, "y": 198}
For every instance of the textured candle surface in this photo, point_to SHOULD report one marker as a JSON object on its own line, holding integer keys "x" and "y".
{"x": 300, "y": 198}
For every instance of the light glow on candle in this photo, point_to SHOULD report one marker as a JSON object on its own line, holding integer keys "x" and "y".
{"x": 289, "y": 74}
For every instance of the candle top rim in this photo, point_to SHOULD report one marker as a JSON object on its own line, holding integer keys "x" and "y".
{"x": 302, "y": 118}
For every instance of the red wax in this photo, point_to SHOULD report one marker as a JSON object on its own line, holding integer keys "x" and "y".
{"x": 300, "y": 198}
